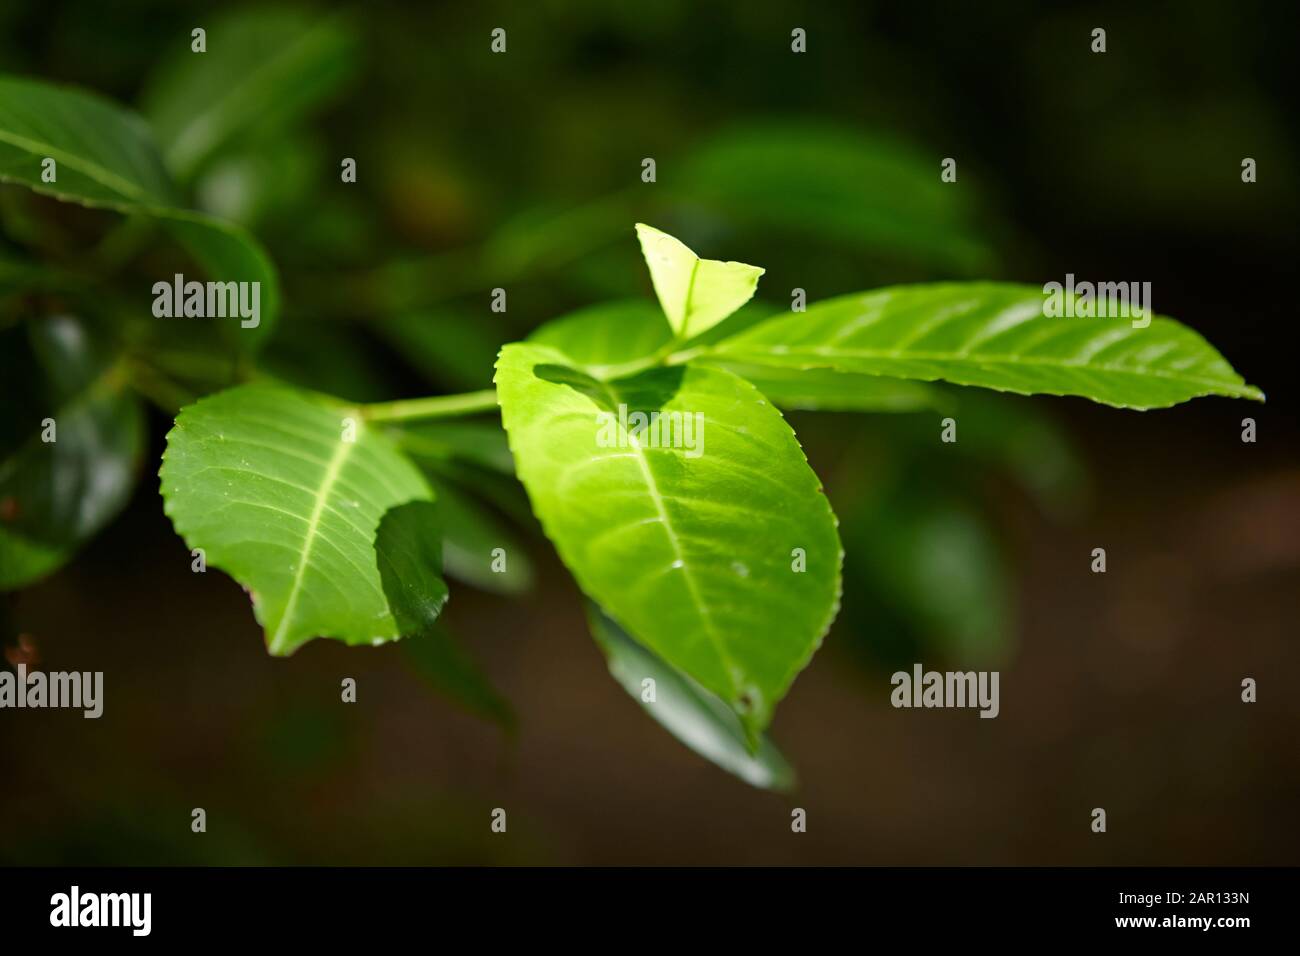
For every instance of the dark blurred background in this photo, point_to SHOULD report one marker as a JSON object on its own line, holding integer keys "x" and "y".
{"x": 523, "y": 170}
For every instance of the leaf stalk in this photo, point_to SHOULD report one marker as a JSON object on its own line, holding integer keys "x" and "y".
{"x": 436, "y": 406}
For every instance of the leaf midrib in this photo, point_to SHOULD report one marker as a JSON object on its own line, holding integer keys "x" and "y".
{"x": 276, "y": 643}
{"x": 690, "y": 294}
{"x": 987, "y": 359}
{"x": 218, "y": 115}
{"x": 106, "y": 178}
{"x": 701, "y": 607}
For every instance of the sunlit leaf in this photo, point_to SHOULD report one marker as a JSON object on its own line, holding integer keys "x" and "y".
{"x": 605, "y": 339}
{"x": 994, "y": 335}
{"x": 694, "y": 548}
{"x": 617, "y": 337}
{"x": 696, "y": 294}
{"x": 825, "y": 390}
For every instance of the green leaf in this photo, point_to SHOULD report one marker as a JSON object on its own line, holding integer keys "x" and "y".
{"x": 931, "y": 560}
{"x": 819, "y": 389}
{"x": 841, "y": 187}
{"x": 56, "y": 495}
{"x": 408, "y": 552}
{"x": 470, "y": 536}
{"x": 263, "y": 70}
{"x": 1021, "y": 439}
{"x": 605, "y": 340}
{"x": 690, "y": 548}
{"x": 271, "y": 184}
{"x": 481, "y": 445}
{"x": 687, "y": 711}
{"x": 337, "y": 358}
{"x": 617, "y": 338}
{"x": 20, "y": 274}
{"x": 993, "y": 335}
{"x": 436, "y": 657}
{"x": 105, "y": 158}
{"x": 696, "y": 294}
{"x": 263, "y": 479}
{"x": 227, "y": 253}
{"x": 447, "y": 347}
{"x": 408, "y": 548}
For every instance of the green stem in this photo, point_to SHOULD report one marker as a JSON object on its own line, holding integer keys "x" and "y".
{"x": 437, "y": 406}
{"x": 682, "y": 356}
{"x": 472, "y": 403}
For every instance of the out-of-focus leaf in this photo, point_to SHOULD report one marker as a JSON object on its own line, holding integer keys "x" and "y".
{"x": 687, "y": 711}
{"x": 1018, "y": 438}
{"x": 994, "y": 335}
{"x": 333, "y": 358}
{"x": 436, "y": 657}
{"x": 542, "y": 240}
{"x": 55, "y": 495}
{"x": 269, "y": 180}
{"x": 265, "y": 479}
{"x": 694, "y": 549}
{"x": 264, "y": 69}
{"x": 696, "y": 294}
{"x": 503, "y": 492}
{"x": 229, "y": 254}
{"x": 840, "y": 186}
{"x": 447, "y": 347}
{"x": 105, "y": 158}
{"x": 19, "y": 274}
{"x": 471, "y": 536}
{"x": 103, "y": 155}
{"x": 482, "y": 445}
{"x": 409, "y": 552}
{"x": 931, "y": 561}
